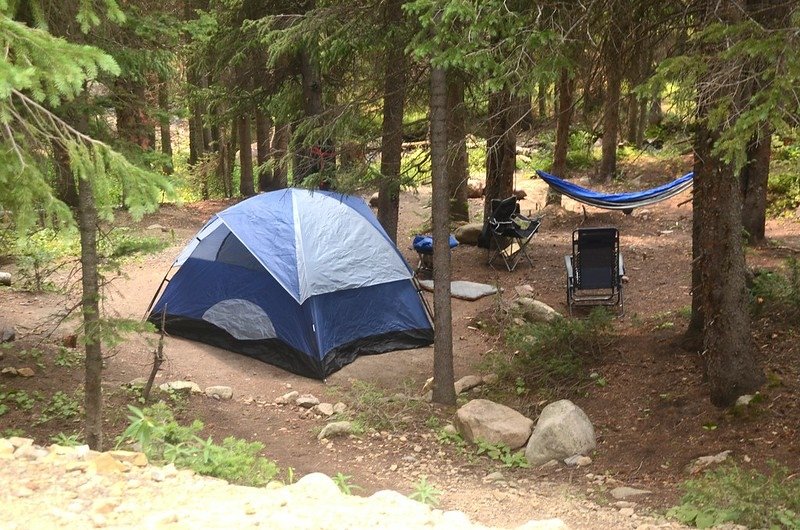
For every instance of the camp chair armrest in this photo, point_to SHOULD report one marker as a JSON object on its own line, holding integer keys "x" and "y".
{"x": 570, "y": 272}
{"x": 621, "y": 266}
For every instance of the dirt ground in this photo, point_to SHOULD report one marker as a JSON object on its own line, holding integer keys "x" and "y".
{"x": 652, "y": 417}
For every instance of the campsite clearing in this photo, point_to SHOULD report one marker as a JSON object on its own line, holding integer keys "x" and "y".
{"x": 651, "y": 411}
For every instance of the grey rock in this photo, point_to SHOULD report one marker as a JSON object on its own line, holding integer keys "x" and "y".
{"x": 9, "y": 371}
{"x": 5, "y": 278}
{"x": 525, "y": 291}
{"x": 468, "y": 382}
{"x": 481, "y": 419}
{"x": 306, "y": 401}
{"x": 450, "y": 429}
{"x": 578, "y": 461}
{"x": 158, "y": 227}
{"x": 181, "y": 386}
{"x": 339, "y": 408}
{"x": 468, "y": 234}
{"x": 8, "y": 335}
{"x": 138, "y": 382}
{"x": 25, "y": 372}
{"x": 287, "y": 398}
{"x": 535, "y": 311}
{"x": 336, "y": 428}
{"x": 324, "y": 409}
{"x": 743, "y": 401}
{"x": 494, "y": 477}
{"x": 562, "y": 430}
{"x": 625, "y": 492}
{"x": 373, "y": 201}
{"x": 699, "y": 464}
{"x": 464, "y": 290}
{"x": 490, "y": 379}
{"x": 219, "y": 392}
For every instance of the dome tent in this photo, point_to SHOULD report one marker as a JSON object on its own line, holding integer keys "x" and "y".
{"x": 303, "y": 280}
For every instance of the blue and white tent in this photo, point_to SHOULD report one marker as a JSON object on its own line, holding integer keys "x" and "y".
{"x": 303, "y": 280}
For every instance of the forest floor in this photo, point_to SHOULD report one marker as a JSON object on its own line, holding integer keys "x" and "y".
{"x": 652, "y": 415}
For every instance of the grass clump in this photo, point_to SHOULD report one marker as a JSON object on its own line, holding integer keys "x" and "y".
{"x": 741, "y": 496}
{"x": 775, "y": 290}
{"x": 548, "y": 357}
{"x": 164, "y": 440}
{"x": 370, "y": 408}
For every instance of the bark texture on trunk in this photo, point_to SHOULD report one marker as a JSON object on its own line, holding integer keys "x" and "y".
{"x": 90, "y": 304}
{"x": 246, "y": 184}
{"x": 164, "y": 124}
{"x": 134, "y": 125}
{"x": 753, "y": 178}
{"x": 280, "y": 148}
{"x": 394, "y": 95}
{"x": 613, "y": 70}
{"x": 501, "y": 150}
{"x": 309, "y": 160}
{"x": 443, "y": 374}
{"x": 728, "y": 347}
{"x": 457, "y": 162}
{"x": 566, "y": 86}
{"x": 263, "y": 144}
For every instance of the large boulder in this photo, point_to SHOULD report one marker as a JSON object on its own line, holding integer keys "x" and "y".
{"x": 562, "y": 430}
{"x": 481, "y": 419}
{"x": 468, "y": 234}
{"x": 535, "y": 311}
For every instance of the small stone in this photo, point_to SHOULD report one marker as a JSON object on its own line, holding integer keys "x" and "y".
{"x": 287, "y": 398}
{"x": 131, "y": 457}
{"x": 157, "y": 227}
{"x": 428, "y": 385}
{"x": 743, "y": 401}
{"x": 8, "y": 334}
{"x": 578, "y": 460}
{"x": 104, "y": 506}
{"x": 18, "y": 441}
{"x": 490, "y": 379}
{"x": 9, "y": 371}
{"x": 393, "y": 467}
{"x": 105, "y": 464}
{"x": 336, "y": 428}
{"x": 139, "y": 382}
{"x": 624, "y": 504}
{"x": 699, "y": 464}
{"x": 306, "y": 401}
{"x": 626, "y": 512}
{"x": 339, "y": 408}
{"x": 219, "y": 392}
{"x": 494, "y": 477}
{"x": 417, "y": 448}
{"x": 181, "y": 386}
{"x": 624, "y": 492}
{"x": 450, "y": 429}
{"x": 5, "y": 279}
{"x": 26, "y": 372}
{"x": 324, "y": 409}
{"x": 467, "y": 382}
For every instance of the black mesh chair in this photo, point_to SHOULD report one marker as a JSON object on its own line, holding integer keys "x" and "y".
{"x": 595, "y": 269}
{"x": 510, "y": 233}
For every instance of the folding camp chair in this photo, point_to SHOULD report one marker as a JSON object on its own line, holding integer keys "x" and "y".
{"x": 510, "y": 233}
{"x": 423, "y": 246}
{"x": 595, "y": 270}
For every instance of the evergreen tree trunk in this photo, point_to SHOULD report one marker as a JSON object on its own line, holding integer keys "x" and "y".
{"x": 566, "y": 86}
{"x": 66, "y": 188}
{"x": 633, "y": 119}
{"x": 133, "y": 124}
{"x": 613, "y": 70}
{"x": 305, "y": 163}
{"x": 501, "y": 150}
{"x": 164, "y": 125}
{"x": 754, "y": 177}
{"x": 642, "y": 125}
{"x": 443, "y": 391}
{"x": 246, "y": 183}
{"x": 457, "y": 162}
{"x": 263, "y": 143}
{"x": 90, "y": 304}
{"x": 727, "y": 342}
{"x": 394, "y": 95}
{"x": 541, "y": 100}
{"x": 280, "y": 147}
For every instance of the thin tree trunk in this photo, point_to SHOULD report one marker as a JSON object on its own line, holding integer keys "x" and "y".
{"x": 305, "y": 162}
{"x": 246, "y": 184}
{"x": 501, "y": 151}
{"x": 566, "y": 86}
{"x": 642, "y": 125}
{"x": 66, "y": 188}
{"x": 754, "y": 178}
{"x": 133, "y": 124}
{"x": 632, "y": 118}
{"x": 443, "y": 390}
{"x": 541, "y": 100}
{"x": 90, "y": 303}
{"x": 457, "y": 162}
{"x": 164, "y": 125}
{"x": 613, "y": 69}
{"x": 280, "y": 147}
{"x": 263, "y": 143}
{"x": 394, "y": 95}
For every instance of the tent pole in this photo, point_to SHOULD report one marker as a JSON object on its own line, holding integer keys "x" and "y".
{"x": 428, "y": 311}
{"x": 158, "y": 292}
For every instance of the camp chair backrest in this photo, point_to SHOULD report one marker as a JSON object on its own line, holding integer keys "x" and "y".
{"x": 503, "y": 210}
{"x": 596, "y": 252}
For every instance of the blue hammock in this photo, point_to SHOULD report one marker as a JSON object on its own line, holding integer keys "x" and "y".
{"x": 617, "y": 201}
